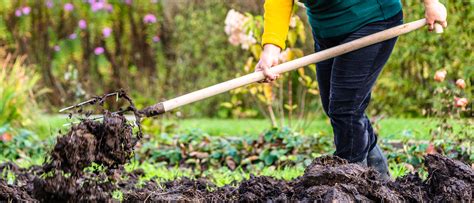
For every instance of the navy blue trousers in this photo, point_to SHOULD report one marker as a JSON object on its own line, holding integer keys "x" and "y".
{"x": 345, "y": 84}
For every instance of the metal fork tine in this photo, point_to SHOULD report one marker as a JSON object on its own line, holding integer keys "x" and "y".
{"x": 98, "y": 117}
{"x": 87, "y": 102}
{"x": 77, "y": 105}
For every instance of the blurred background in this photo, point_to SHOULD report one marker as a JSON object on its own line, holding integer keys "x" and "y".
{"x": 161, "y": 49}
{"x": 56, "y": 53}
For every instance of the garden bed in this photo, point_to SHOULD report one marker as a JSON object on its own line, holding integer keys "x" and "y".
{"x": 68, "y": 176}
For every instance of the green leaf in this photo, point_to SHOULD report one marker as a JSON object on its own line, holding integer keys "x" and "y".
{"x": 227, "y": 105}
{"x": 288, "y": 107}
{"x": 301, "y": 32}
{"x": 292, "y": 37}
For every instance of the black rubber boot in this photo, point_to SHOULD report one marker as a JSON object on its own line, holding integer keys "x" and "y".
{"x": 377, "y": 160}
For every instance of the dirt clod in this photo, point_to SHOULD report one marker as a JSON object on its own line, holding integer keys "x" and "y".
{"x": 264, "y": 188}
{"x": 109, "y": 143}
{"x": 449, "y": 180}
{"x": 13, "y": 192}
{"x": 331, "y": 178}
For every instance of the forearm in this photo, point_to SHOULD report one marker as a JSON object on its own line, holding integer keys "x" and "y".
{"x": 276, "y": 22}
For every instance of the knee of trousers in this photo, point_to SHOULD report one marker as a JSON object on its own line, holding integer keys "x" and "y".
{"x": 335, "y": 112}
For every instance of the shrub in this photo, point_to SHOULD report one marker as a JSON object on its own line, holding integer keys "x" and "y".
{"x": 16, "y": 95}
{"x": 285, "y": 98}
{"x": 197, "y": 53}
{"x": 406, "y": 85}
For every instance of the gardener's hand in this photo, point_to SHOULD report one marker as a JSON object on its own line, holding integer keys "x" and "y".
{"x": 435, "y": 12}
{"x": 268, "y": 59}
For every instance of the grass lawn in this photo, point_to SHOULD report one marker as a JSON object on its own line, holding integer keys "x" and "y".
{"x": 392, "y": 128}
{"x": 389, "y": 128}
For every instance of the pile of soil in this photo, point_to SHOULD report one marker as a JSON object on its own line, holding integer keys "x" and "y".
{"x": 332, "y": 178}
{"x": 63, "y": 177}
{"x": 109, "y": 143}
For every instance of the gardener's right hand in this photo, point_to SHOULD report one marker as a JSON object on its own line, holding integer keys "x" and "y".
{"x": 268, "y": 59}
{"x": 435, "y": 12}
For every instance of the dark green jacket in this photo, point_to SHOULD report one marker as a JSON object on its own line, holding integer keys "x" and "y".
{"x": 332, "y": 18}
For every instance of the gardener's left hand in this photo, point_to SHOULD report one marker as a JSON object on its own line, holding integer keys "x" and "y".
{"x": 435, "y": 12}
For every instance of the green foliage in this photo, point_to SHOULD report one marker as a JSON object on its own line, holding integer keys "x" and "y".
{"x": 16, "y": 84}
{"x": 197, "y": 53}
{"x": 8, "y": 175}
{"x": 456, "y": 146}
{"x": 184, "y": 50}
{"x": 95, "y": 168}
{"x": 444, "y": 137}
{"x": 277, "y": 101}
{"x": 64, "y": 53}
{"x": 158, "y": 171}
{"x": 220, "y": 176}
{"x": 405, "y": 87}
{"x": 25, "y": 146}
{"x": 398, "y": 170}
{"x": 117, "y": 195}
{"x": 194, "y": 52}
{"x": 197, "y": 149}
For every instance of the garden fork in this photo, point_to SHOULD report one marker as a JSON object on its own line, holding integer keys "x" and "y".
{"x": 171, "y": 104}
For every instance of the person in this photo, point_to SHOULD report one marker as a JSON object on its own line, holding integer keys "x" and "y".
{"x": 345, "y": 82}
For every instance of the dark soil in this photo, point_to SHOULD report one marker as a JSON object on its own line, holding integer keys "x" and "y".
{"x": 13, "y": 192}
{"x": 66, "y": 178}
{"x": 332, "y": 178}
{"x": 109, "y": 143}
{"x": 449, "y": 180}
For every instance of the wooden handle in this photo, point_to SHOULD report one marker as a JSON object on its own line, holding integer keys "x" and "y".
{"x": 165, "y": 106}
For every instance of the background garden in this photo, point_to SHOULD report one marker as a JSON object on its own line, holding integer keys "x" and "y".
{"x": 57, "y": 53}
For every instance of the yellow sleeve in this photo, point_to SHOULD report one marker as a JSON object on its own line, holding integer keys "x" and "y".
{"x": 276, "y": 22}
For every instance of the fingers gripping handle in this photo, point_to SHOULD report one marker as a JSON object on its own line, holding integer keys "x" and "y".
{"x": 438, "y": 28}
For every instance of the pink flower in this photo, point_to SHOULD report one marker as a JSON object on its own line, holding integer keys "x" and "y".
{"x": 440, "y": 75}
{"x": 73, "y": 36}
{"x": 96, "y": 6}
{"x": 109, "y": 7}
{"x": 156, "y": 38}
{"x": 57, "y": 48}
{"x": 106, "y": 32}
{"x": 128, "y": 2}
{"x": 82, "y": 24}
{"x": 68, "y": 7}
{"x": 49, "y": 4}
{"x": 460, "y": 102}
{"x": 26, "y": 10}
{"x": 99, "y": 50}
{"x": 234, "y": 22}
{"x": 461, "y": 83}
{"x": 149, "y": 18}
{"x": 247, "y": 41}
{"x": 234, "y": 39}
{"x": 18, "y": 13}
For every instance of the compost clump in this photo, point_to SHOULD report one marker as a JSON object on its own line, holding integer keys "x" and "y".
{"x": 109, "y": 143}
